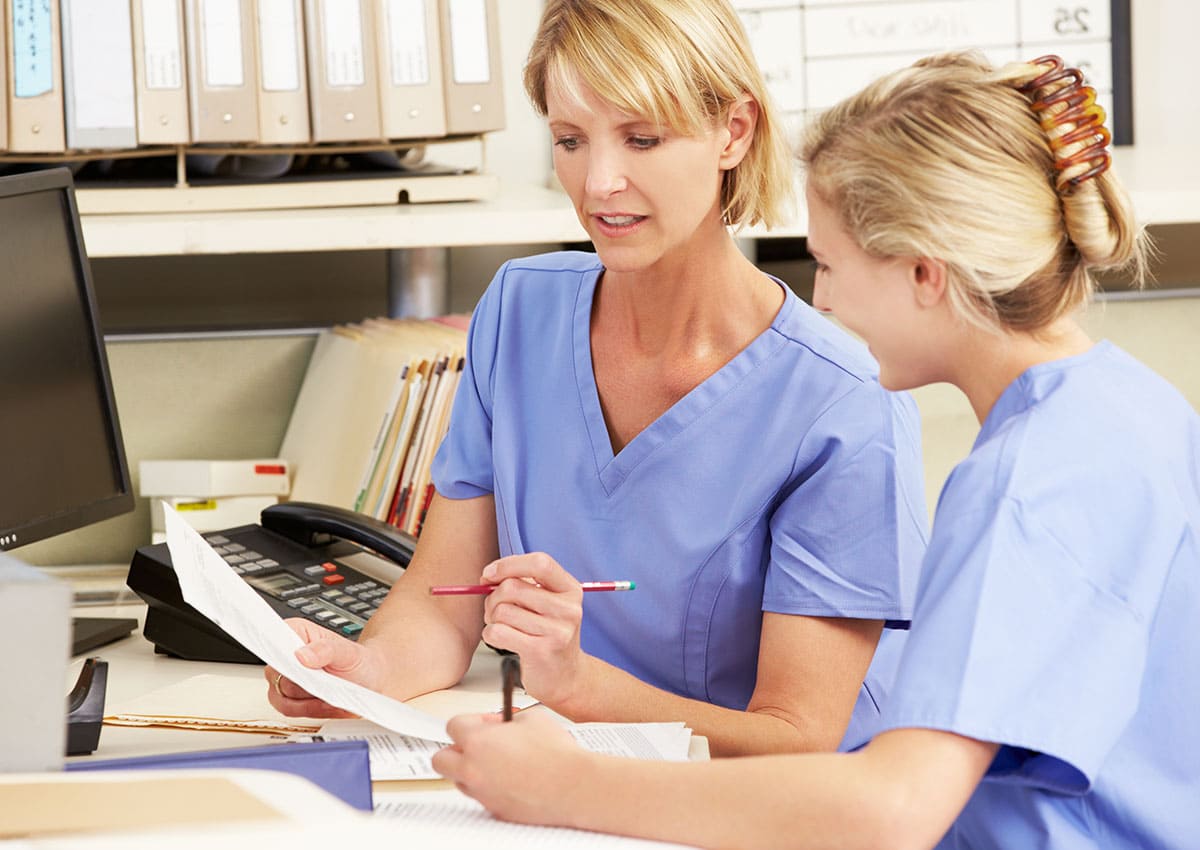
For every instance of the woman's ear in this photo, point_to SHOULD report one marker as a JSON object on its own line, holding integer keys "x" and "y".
{"x": 929, "y": 280}
{"x": 739, "y": 125}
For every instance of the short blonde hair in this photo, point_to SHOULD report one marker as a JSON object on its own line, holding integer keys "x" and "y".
{"x": 946, "y": 159}
{"x": 679, "y": 63}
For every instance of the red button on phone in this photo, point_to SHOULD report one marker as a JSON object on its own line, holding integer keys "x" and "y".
{"x": 334, "y": 579}
{"x": 330, "y": 567}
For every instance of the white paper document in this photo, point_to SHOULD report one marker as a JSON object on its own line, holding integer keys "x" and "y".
{"x": 395, "y": 756}
{"x": 217, "y": 592}
{"x": 450, "y": 819}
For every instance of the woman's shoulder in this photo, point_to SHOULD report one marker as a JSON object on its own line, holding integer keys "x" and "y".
{"x": 819, "y": 338}
{"x": 538, "y": 285}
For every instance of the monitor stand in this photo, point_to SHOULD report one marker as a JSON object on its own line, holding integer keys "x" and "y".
{"x": 88, "y": 633}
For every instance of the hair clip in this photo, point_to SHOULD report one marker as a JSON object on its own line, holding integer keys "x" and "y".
{"x": 1079, "y": 109}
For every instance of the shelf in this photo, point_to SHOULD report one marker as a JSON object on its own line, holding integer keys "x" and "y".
{"x": 1165, "y": 185}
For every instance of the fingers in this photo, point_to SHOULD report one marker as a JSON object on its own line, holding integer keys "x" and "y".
{"x": 323, "y": 649}
{"x": 538, "y": 566}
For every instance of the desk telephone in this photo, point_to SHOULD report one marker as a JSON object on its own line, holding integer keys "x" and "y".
{"x": 325, "y": 563}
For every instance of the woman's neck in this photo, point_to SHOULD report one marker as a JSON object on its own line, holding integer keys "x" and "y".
{"x": 712, "y": 298}
{"x": 990, "y": 363}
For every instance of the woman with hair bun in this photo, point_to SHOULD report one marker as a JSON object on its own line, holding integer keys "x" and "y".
{"x": 1046, "y": 694}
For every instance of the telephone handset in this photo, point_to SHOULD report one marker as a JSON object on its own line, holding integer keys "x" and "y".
{"x": 328, "y": 564}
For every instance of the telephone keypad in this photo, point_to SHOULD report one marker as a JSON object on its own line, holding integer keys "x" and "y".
{"x": 326, "y": 592}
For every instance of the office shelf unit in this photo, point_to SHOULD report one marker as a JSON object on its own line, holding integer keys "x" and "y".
{"x": 1165, "y": 185}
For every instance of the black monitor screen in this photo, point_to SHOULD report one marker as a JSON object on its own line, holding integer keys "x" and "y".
{"x": 61, "y": 458}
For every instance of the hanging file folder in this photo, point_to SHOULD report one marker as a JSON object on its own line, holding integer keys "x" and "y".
{"x": 471, "y": 65}
{"x": 35, "y": 102}
{"x": 343, "y": 86}
{"x": 222, "y": 79}
{"x": 282, "y": 82}
{"x": 411, "y": 96}
{"x": 158, "y": 72}
{"x": 98, "y": 91}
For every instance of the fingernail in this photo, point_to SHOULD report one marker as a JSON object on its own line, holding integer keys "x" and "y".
{"x": 490, "y": 570}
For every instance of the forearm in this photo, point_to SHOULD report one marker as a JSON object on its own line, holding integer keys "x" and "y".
{"x": 422, "y": 648}
{"x": 814, "y": 800}
{"x": 606, "y": 693}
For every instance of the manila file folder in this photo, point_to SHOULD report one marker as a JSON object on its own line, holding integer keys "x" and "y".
{"x": 471, "y": 66}
{"x": 221, "y": 76}
{"x": 343, "y": 83}
{"x": 35, "y": 98}
{"x": 158, "y": 72}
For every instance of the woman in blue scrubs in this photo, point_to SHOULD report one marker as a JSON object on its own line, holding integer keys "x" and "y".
{"x": 661, "y": 411}
{"x": 1046, "y": 695}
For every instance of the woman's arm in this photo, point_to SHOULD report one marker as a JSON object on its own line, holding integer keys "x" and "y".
{"x": 426, "y": 642}
{"x": 901, "y": 791}
{"x": 414, "y": 643}
{"x": 810, "y": 669}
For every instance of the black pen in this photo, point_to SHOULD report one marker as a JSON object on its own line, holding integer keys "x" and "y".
{"x": 510, "y": 672}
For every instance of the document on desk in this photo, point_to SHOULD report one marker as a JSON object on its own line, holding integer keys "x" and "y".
{"x": 395, "y": 756}
{"x": 213, "y": 589}
{"x": 451, "y": 819}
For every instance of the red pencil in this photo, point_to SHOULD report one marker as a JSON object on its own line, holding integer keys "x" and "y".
{"x": 485, "y": 589}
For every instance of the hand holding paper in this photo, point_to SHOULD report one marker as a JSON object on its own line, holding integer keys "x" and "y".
{"x": 210, "y": 586}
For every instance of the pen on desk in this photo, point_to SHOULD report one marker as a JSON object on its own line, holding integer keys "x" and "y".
{"x": 485, "y": 589}
{"x": 510, "y": 672}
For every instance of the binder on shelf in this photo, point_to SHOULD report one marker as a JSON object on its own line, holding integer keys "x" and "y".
{"x": 471, "y": 66}
{"x": 411, "y": 94}
{"x": 98, "y": 90}
{"x": 4, "y": 21}
{"x": 222, "y": 79}
{"x": 342, "y": 79}
{"x": 35, "y": 101}
{"x": 161, "y": 95}
{"x": 282, "y": 81}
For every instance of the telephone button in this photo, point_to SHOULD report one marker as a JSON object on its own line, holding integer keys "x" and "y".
{"x": 268, "y": 562}
{"x": 329, "y": 567}
{"x": 313, "y": 608}
{"x": 324, "y": 614}
{"x": 334, "y": 579}
{"x": 314, "y": 570}
{"x": 330, "y": 594}
{"x": 300, "y": 601}
{"x": 351, "y": 629}
{"x": 337, "y": 621}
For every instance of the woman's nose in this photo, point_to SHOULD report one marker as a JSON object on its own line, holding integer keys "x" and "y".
{"x": 606, "y": 175}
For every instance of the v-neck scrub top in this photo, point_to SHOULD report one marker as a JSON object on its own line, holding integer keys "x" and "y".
{"x": 789, "y": 481}
{"x": 1058, "y": 610}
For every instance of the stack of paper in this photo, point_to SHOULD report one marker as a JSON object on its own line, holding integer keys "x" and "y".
{"x": 371, "y": 412}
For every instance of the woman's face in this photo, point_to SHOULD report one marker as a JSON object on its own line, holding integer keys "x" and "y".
{"x": 644, "y": 193}
{"x": 874, "y": 298}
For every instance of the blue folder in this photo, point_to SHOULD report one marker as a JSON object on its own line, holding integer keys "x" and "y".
{"x": 340, "y": 767}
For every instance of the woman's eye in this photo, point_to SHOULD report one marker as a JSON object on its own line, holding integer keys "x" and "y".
{"x": 644, "y": 142}
{"x": 567, "y": 143}
{"x": 819, "y": 267}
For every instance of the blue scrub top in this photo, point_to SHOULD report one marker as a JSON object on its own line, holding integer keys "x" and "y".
{"x": 789, "y": 481}
{"x": 1058, "y": 608}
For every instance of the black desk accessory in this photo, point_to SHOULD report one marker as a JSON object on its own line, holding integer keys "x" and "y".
{"x": 85, "y": 708}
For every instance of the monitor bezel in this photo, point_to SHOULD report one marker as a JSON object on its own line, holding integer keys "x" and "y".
{"x": 41, "y": 528}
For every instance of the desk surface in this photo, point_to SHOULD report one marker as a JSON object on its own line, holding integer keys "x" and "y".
{"x": 136, "y": 674}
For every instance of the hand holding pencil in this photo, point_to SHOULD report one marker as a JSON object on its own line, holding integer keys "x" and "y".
{"x": 533, "y": 607}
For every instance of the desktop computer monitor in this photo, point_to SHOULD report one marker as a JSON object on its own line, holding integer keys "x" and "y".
{"x": 62, "y": 461}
